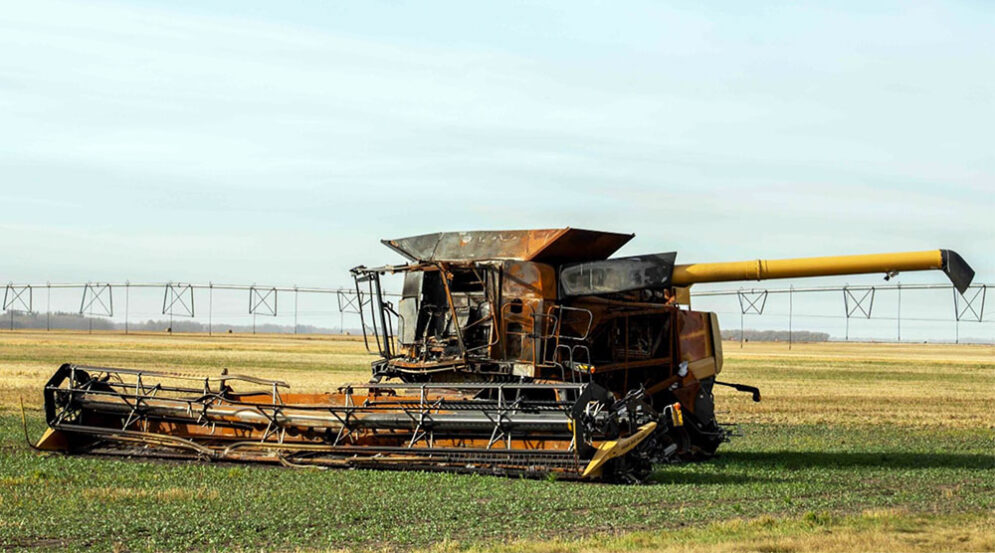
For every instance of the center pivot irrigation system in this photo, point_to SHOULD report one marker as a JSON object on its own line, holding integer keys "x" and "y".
{"x": 508, "y": 352}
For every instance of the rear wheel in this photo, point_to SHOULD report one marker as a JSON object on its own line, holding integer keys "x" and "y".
{"x": 703, "y": 430}
{"x": 704, "y": 438}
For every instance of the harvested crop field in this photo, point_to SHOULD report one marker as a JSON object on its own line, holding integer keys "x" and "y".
{"x": 854, "y": 447}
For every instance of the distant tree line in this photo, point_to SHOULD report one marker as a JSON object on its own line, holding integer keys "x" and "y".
{"x": 75, "y": 321}
{"x": 775, "y": 335}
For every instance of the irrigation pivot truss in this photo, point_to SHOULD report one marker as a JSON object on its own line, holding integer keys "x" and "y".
{"x": 859, "y": 303}
{"x": 97, "y": 299}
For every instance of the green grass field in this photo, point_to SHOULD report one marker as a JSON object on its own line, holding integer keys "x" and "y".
{"x": 855, "y": 447}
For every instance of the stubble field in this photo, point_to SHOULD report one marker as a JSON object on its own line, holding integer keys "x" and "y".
{"x": 854, "y": 447}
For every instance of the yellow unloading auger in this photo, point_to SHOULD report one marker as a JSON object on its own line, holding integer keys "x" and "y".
{"x": 889, "y": 264}
{"x": 510, "y": 352}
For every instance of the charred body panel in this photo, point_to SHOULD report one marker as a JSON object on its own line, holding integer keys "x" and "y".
{"x": 611, "y": 276}
{"x": 510, "y": 352}
{"x": 608, "y": 323}
{"x": 547, "y": 245}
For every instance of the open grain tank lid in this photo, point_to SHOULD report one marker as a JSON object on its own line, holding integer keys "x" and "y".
{"x": 542, "y": 245}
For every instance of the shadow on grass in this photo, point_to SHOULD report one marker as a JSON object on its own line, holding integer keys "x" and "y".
{"x": 671, "y": 476}
{"x": 887, "y": 459}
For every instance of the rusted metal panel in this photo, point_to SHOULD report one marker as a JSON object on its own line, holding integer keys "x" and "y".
{"x": 574, "y": 245}
{"x": 695, "y": 339}
{"x": 525, "y": 286}
{"x": 547, "y": 245}
{"x": 716, "y": 340}
{"x": 524, "y": 278}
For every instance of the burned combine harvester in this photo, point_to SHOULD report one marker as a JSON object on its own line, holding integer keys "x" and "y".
{"x": 509, "y": 352}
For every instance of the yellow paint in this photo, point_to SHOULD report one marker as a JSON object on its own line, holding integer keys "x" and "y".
{"x": 52, "y": 440}
{"x": 713, "y": 319}
{"x": 760, "y": 269}
{"x": 703, "y": 368}
{"x": 682, "y": 295}
{"x": 616, "y": 448}
{"x": 676, "y": 414}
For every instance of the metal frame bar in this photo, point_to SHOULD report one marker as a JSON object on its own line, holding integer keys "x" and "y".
{"x": 174, "y": 293}
{"x": 320, "y": 290}
{"x": 95, "y": 292}
{"x": 969, "y": 303}
{"x": 853, "y": 304}
{"x": 748, "y": 300}
{"x": 14, "y": 294}
{"x": 98, "y": 296}
{"x": 258, "y": 299}
{"x": 351, "y": 301}
{"x": 507, "y": 417}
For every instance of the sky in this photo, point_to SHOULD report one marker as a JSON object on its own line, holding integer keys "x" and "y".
{"x": 277, "y": 142}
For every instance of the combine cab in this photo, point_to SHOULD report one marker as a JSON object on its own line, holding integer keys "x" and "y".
{"x": 509, "y": 352}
